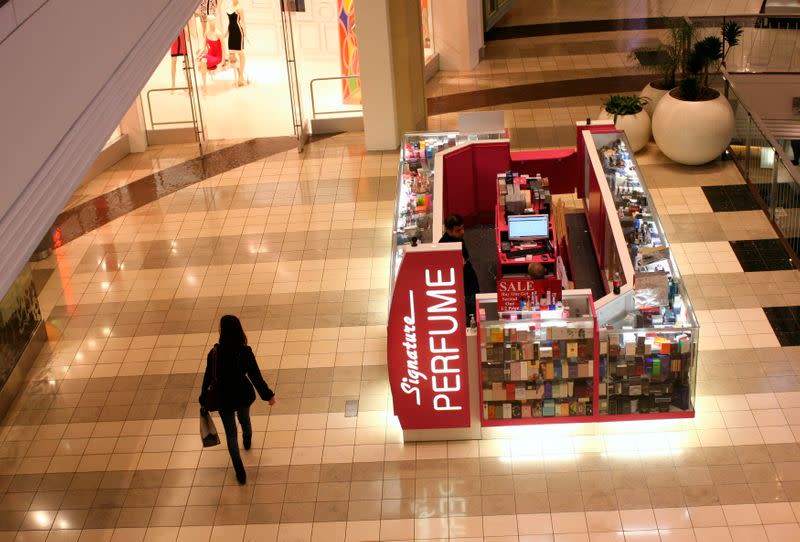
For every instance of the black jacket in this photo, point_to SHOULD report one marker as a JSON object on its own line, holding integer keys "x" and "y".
{"x": 471, "y": 283}
{"x": 237, "y": 373}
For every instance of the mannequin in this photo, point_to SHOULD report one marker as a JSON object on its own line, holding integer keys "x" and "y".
{"x": 178, "y": 50}
{"x": 236, "y": 36}
{"x": 206, "y": 9}
{"x": 211, "y": 55}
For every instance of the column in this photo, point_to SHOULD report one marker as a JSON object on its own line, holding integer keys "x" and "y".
{"x": 458, "y": 33}
{"x": 133, "y": 125}
{"x": 392, "y": 70}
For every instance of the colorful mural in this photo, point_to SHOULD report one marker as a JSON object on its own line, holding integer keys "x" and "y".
{"x": 348, "y": 51}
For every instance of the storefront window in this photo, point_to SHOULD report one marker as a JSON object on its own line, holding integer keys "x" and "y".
{"x": 19, "y": 316}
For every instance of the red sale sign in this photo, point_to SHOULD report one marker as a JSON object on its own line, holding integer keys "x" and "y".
{"x": 427, "y": 343}
{"x": 511, "y": 290}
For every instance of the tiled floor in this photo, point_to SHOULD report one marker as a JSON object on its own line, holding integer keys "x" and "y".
{"x": 762, "y": 255}
{"x": 103, "y": 445}
{"x": 735, "y": 197}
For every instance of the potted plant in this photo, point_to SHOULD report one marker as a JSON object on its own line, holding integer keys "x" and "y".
{"x": 693, "y": 123}
{"x": 731, "y": 32}
{"x": 628, "y": 113}
{"x": 670, "y": 59}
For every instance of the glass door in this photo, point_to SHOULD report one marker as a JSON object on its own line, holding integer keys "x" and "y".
{"x": 300, "y": 127}
{"x": 194, "y": 99}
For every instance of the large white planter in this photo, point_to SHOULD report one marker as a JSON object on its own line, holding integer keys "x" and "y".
{"x": 653, "y": 96}
{"x": 636, "y": 127}
{"x": 693, "y": 133}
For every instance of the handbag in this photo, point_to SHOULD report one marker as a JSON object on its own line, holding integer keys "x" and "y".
{"x": 211, "y": 394}
{"x": 208, "y": 431}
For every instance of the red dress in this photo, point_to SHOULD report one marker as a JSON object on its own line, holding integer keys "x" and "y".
{"x": 214, "y": 54}
{"x": 179, "y": 46}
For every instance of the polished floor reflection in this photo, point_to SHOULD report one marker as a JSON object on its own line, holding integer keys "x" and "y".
{"x": 103, "y": 444}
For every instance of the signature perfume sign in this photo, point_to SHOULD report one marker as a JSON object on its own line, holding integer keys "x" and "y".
{"x": 427, "y": 340}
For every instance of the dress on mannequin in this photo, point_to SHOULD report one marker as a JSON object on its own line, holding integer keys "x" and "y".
{"x": 235, "y": 37}
{"x": 214, "y": 55}
{"x": 207, "y": 7}
{"x": 179, "y": 46}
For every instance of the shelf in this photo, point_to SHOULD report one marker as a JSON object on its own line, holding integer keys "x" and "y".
{"x": 568, "y": 379}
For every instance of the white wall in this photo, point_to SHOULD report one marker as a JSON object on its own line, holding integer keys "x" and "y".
{"x": 458, "y": 33}
{"x": 71, "y": 70}
{"x": 377, "y": 76}
{"x": 770, "y": 95}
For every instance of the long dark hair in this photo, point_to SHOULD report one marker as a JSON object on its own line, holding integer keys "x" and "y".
{"x": 231, "y": 333}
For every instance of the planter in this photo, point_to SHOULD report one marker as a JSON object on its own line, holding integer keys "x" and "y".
{"x": 654, "y": 95}
{"x": 693, "y": 133}
{"x": 636, "y": 127}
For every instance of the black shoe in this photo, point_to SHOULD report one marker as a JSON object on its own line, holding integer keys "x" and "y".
{"x": 241, "y": 476}
{"x": 248, "y": 441}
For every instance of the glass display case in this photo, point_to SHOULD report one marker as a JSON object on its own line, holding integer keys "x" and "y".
{"x": 648, "y": 344}
{"x": 538, "y": 365}
{"x": 413, "y": 216}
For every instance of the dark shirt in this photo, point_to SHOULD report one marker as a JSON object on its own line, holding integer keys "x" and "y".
{"x": 237, "y": 372}
{"x": 447, "y": 238}
{"x": 471, "y": 285}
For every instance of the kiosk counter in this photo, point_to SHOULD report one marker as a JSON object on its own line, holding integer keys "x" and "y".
{"x": 540, "y": 352}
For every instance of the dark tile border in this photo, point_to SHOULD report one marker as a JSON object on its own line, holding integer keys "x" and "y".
{"x": 462, "y": 101}
{"x": 598, "y": 25}
{"x": 96, "y": 212}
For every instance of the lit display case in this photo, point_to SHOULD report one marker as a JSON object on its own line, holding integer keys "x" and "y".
{"x": 538, "y": 365}
{"x": 413, "y": 216}
{"x": 649, "y": 335}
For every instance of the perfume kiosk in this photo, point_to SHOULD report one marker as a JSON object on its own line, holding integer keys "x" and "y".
{"x": 560, "y": 356}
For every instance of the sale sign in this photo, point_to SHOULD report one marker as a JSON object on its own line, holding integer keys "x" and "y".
{"x": 511, "y": 291}
{"x": 427, "y": 341}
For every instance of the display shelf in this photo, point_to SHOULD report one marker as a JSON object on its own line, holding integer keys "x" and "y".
{"x": 538, "y": 366}
{"x": 647, "y": 371}
{"x": 648, "y": 338}
{"x": 413, "y": 216}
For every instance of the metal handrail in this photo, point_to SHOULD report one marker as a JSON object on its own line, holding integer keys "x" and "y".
{"x": 761, "y": 126}
{"x": 150, "y": 107}
{"x": 314, "y": 111}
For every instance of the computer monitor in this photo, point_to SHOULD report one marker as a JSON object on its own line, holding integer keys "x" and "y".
{"x": 528, "y": 227}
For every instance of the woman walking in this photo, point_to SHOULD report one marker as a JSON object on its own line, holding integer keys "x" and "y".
{"x": 231, "y": 373}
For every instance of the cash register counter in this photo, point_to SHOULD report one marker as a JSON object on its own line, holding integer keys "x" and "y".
{"x": 628, "y": 354}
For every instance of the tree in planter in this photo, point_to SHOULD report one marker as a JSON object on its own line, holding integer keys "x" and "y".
{"x": 731, "y": 32}
{"x": 704, "y": 54}
{"x": 671, "y": 54}
{"x": 693, "y": 124}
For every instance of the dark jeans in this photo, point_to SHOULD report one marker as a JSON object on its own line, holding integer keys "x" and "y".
{"x": 228, "y": 418}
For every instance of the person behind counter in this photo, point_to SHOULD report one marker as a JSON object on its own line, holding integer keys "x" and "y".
{"x": 454, "y": 233}
{"x": 537, "y": 271}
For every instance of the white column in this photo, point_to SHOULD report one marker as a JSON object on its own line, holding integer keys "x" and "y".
{"x": 133, "y": 125}
{"x": 377, "y": 76}
{"x": 458, "y": 33}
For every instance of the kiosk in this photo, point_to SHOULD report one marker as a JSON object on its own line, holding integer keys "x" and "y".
{"x": 543, "y": 351}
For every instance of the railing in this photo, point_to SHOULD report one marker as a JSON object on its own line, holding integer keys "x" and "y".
{"x": 769, "y": 43}
{"x": 765, "y": 165}
{"x": 314, "y": 111}
{"x": 150, "y": 107}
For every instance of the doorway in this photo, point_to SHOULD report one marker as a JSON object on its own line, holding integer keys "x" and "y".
{"x": 292, "y": 49}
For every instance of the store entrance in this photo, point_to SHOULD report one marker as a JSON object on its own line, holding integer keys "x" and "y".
{"x": 291, "y": 50}
{"x": 257, "y": 103}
